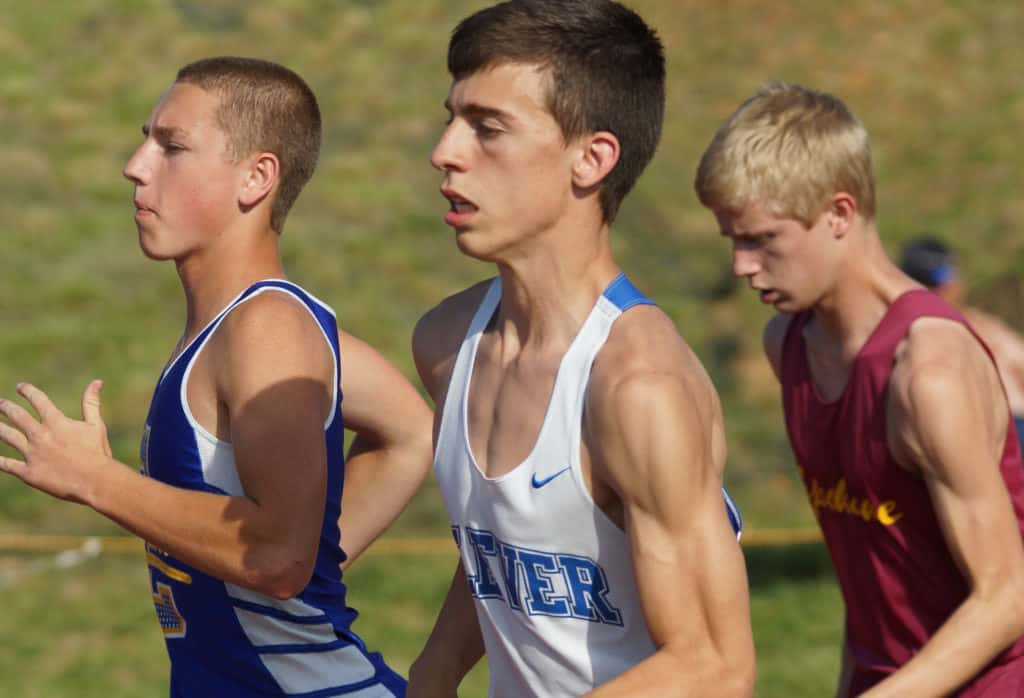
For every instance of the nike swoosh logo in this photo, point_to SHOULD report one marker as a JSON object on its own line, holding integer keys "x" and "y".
{"x": 537, "y": 484}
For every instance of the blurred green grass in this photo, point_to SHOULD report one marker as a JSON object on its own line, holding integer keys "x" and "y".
{"x": 939, "y": 85}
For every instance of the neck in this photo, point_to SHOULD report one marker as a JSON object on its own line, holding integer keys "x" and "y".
{"x": 865, "y": 286}
{"x": 548, "y": 290}
{"x": 213, "y": 276}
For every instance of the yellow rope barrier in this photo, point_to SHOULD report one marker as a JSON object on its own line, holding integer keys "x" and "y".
{"x": 40, "y": 543}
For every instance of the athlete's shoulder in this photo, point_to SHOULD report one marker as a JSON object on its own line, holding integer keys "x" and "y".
{"x": 942, "y": 379}
{"x": 272, "y": 314}
{"x": 645, "y": 337}
{"x": 648, "y": 385}
{"x": 931, "y": 342}
{"x": 273, "y": 331}
{"x": 935, "y": 363}
{"x": 644, "y": 348}
{"x": 439, "y": 333}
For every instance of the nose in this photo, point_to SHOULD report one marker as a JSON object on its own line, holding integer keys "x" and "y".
{"x": 135, "y": 170}
{"x": 447, "y": 155}
{"x": 745, "y": 263}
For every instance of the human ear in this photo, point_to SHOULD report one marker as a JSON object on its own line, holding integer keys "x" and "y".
{"x": 597, "y": 156}
{"x": 841, "y": 213}
{"x": 259, "y": 178}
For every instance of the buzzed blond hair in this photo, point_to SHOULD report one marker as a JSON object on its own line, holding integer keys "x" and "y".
{"x": 791, "y": 149}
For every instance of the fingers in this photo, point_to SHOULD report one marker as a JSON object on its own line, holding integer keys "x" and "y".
{"x": 18, "y": 416}
{"x": 12, "y": 437}
{"x": 91, "y": 403}
{"x": 44, "y": 407}
{"x": 12, "y": 466}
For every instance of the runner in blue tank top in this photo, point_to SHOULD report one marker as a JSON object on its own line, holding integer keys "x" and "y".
{"x": 240, "y": 492}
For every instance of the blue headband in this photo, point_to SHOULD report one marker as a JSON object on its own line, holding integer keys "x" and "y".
{"x": 942, "y": 274}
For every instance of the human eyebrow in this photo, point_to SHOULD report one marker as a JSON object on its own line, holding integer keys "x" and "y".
{"x": 164, "y": 133}
{"x": 747, "y": 234}
{"x": 478, "y": 112}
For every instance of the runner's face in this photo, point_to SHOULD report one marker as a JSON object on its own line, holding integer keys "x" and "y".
{"x": 783, "y": 260}
{"x": 507, "y": 169}
{"x": 186, "y": 186}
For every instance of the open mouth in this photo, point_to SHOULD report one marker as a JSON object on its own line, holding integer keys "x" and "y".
{"x": 461, "y": 206}
{"x": 460, "y": 209}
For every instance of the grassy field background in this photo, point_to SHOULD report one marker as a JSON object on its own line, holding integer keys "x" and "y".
{"x": 939, "y": 85}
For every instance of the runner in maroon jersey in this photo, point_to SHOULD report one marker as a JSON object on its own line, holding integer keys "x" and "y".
{"x": 893, "y": 406}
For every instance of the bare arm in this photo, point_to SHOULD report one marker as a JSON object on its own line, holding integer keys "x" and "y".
{"x": 391, "y": 452}
{"x": 454, "y": 647}
{"x": 658, "y": 443}
{"x": 455, "y": 644}
{"x": 275, "y": 389}
{"x": 1008, "y": 349}
{"x": 947, "y": 418}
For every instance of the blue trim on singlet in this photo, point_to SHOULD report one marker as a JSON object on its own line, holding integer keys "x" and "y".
{"x": 212, "y": 654}
{"x": 624, "y": 295}
{"x": 735, "y": 518}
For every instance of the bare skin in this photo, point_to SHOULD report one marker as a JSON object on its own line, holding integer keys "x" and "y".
{"x": 268, "y": 353}
{"x": 648, "y": 399}
{"x": 1006, "y": 345}
{"x": 947, "y": 415}
{"x": 392, "y": 449}
{"x": 1008, "y": 349}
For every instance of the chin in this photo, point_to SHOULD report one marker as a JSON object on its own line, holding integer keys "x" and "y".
{"x": 464, "y": 241}
{"x": 152, "y": 251}
{"x": 790, "y": 306}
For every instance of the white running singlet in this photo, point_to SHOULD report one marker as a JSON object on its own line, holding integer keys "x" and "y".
{"x": 550, "y": 573}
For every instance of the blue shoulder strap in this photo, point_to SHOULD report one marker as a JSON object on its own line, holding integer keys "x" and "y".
{"x": 624, "y": 295}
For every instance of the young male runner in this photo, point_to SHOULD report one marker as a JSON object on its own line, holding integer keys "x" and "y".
{"x": 579, "y": 442}
{"x": 242, "y": 465}
{"x": 893, "y": 406}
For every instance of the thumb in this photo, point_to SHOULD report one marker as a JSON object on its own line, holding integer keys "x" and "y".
{"x": 91, "y": 403}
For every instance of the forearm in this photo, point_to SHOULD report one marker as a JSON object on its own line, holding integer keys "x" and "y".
{"x": 670, "y": 673}
{"x": 978, "y": 631}
{"x": 380, "y": 479}
{"x": 230, "y": 538}
{"x": 454, "y": 647}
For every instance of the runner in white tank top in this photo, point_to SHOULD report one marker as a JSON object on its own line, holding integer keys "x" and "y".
{"x": 578, "y": 441}
{"x": 557, "y": 604}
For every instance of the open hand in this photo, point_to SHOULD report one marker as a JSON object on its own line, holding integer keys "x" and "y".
{"x": 59, "y": 453}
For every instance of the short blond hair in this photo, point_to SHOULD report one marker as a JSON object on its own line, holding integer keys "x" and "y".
{"x": 790, "y": 148}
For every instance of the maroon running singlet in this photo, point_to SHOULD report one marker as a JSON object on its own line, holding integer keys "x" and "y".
{"x": 897, "y": 576}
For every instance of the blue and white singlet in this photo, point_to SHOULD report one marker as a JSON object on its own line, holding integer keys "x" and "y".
{"x": 228, "y": 642}
{"x": 550, "y": 573}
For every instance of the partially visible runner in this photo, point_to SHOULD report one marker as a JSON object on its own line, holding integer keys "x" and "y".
{"x": 930, "y": 262}
{"x": 893, "y": 406}
{"x": 242, "y": 464}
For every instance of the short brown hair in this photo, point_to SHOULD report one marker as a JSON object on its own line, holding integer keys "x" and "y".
{"x": 264, "y": 107}
{"x": 791, "y": 148}
{"x": 607, "y": 70}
